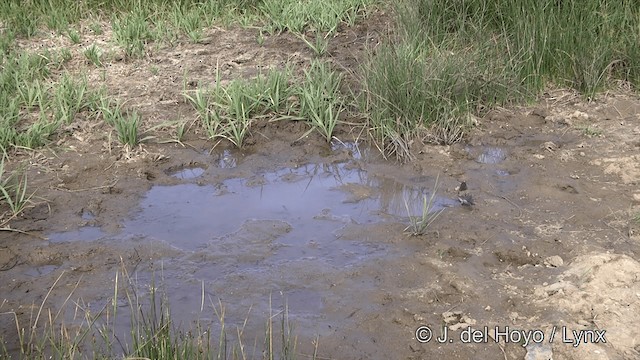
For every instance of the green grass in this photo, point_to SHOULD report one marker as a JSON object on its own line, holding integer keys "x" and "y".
{"x": 7, "y": 39}
{"x": 32, "y": 105}
{"x": 133, "y": 31}
{"x": 445, "y": 62}
{"x": 298, "y": 16}
{"x": 13, "y": 191}
{"x": 127, "y": 128}
{"x": 74, "y": 36}
{"x": 420, "y": 90}
{"x": 275, "y": 89}
{"x": 260, "y": 38}
{"x": 419, "y": 224}
{"x": 190, "y": 20}
{"x": 93, "y": 54}
{"x": 65, "y": 55}
{"x": 70, "y": 97}
{"x": 319, "y": 45}
{"x": 320, "y": 99}
{"x": 201, "y": 100}
{"x": 448, "y": 60}
{"x": 46, "y": 333}
{"x": 137, "y": 24}
{"x": 30, "y": 93}
{"x": 96, "y": 28}
{"x": 19, "y": 18}
{"x": 180, "y": 131}
{"x": 37, "y": 134}
{"x": 227, "y": 112}
{"x": 125, "y": 122}
{"x": 46, "y": 102}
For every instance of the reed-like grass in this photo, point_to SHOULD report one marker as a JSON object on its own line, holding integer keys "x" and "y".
{"x": 14, "y": 192}
{"x": 320, "y": 100}
{"x": 448, "y": 60}
{"x": 32, "y": 119}
{"x": 72, "y": 331}
{"x": 228, "y": 111}
{"x": 419, "y": 224}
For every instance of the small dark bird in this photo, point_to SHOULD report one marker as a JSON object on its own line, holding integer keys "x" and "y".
{"x": 462, "y": 186}
{"x": 466, "y": 200}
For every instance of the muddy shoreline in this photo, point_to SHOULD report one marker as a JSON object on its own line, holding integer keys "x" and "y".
{"x": 550, "y": 241}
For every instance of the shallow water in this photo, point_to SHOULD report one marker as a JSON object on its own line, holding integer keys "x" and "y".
{"x": 189, "y": 173}
{"x": 314, "y": 199}
{"x": 275, "y": 236}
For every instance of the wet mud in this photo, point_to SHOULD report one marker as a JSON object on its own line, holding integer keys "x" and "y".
{"x": 549, "y": 243}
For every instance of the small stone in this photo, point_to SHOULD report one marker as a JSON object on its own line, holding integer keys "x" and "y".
{"x": 580, "y": 115}
{"x": 458, "y": 326}
{"x": 467, "y": 320}
{"x": 554, "y": 261}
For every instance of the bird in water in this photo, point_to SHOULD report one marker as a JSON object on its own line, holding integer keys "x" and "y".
{"x": 465, "y": 198}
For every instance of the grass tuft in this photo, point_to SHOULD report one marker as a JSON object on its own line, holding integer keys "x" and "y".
{"x": 420, "y": 224}
{"x": 319, "y": 46}
{"x": 133, "y": 32}
{"x": 320, "y": 100}
{"x": 93, "y": 54}
{"x": 13, "y": 190}
{"x": 227, "y": 112}
{"x": 298, "y": 16}
{"x": 74, "y": 36}
{"x": 152, "y": 331}
{"x": 127, "y": 128}
{"x": 427, "y": 92}
{"x": 449, "y": 60}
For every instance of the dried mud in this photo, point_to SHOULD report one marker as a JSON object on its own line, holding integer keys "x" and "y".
{"x": 552, "y": 240}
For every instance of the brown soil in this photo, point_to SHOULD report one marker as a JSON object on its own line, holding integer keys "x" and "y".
{"x": 550, "y": 242}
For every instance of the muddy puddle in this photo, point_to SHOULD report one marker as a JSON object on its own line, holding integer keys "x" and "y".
{"x": 277, "y": 237}
{"x": 312, "y": 201}
{"x": 546, "y": 241}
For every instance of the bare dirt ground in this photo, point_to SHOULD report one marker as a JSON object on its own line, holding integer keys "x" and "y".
{"x": 551, "y": 244}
